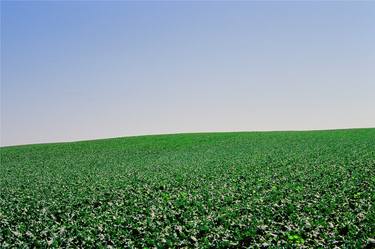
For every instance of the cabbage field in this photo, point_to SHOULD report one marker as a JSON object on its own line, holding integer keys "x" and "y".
{"x": 306, "y": 189}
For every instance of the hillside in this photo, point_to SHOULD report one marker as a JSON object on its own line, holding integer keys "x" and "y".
{"x": 211, "y": 190}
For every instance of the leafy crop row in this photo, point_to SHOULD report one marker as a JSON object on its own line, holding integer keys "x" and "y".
{"x": 219, "y": 190}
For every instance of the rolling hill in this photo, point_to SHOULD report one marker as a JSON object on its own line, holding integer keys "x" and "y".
{"x": 299, "y": 189}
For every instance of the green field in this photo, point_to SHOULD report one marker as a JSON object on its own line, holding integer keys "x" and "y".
{"x": 211, "y": 190}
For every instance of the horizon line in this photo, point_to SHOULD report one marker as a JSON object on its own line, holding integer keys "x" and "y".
{"x": 183, "y": 133}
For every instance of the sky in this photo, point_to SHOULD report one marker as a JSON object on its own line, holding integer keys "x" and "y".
{"x": 86, "y": 70}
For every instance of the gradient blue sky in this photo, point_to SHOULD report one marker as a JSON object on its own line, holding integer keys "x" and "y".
{"x": 85, "y": 70}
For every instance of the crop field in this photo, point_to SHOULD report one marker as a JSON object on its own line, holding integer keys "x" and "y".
{"x": 305, "y": 189}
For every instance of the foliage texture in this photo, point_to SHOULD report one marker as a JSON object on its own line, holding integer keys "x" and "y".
{"x": 216, "y": 190}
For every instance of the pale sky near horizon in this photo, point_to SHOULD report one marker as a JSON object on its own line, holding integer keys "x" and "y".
{"x": 87, "y": 70}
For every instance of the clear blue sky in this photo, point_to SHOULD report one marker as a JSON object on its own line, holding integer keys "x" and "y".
{"x": 85, "y": 70}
